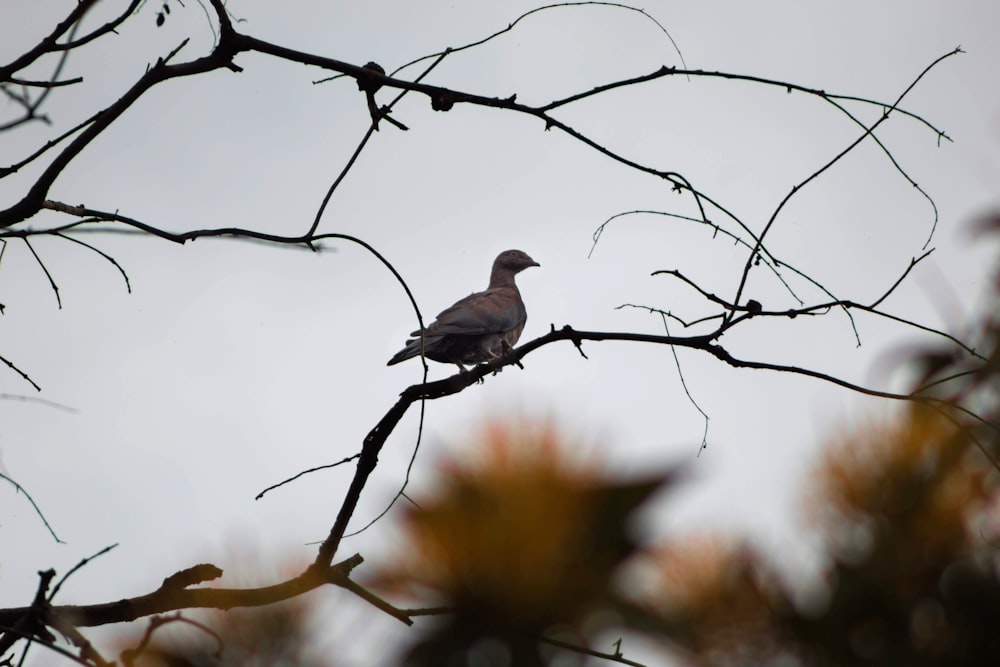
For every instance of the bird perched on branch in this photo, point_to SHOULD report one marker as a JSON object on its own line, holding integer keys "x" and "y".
{"x": 481, "y": 327}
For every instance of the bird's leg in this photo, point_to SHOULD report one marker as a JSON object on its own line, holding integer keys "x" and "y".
{"x": 506, "y": 350}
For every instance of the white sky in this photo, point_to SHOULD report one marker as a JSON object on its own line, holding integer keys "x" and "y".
{"x": 234, "y": 365}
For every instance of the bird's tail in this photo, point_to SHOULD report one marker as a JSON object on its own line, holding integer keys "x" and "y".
{"x": 411, "y": 350}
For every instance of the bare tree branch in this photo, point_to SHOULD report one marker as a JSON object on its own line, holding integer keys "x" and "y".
{"x": 100, "y": 31}
{"x": 173, "y": 596}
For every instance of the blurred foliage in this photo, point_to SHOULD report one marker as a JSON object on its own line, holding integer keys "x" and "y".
{"x": 520, "y": 539}
{"x": 709, "y": 596}
{"x": 903, "y": 513}
{"x": 909, "y": 514}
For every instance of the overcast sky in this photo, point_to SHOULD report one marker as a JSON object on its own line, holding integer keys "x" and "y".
{"x": 233, "y": 365}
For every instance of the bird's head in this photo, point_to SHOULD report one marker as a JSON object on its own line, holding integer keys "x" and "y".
{"x": 514, "y": 261}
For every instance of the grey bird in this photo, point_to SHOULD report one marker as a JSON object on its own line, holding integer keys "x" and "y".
{"x": 481, "y": 327}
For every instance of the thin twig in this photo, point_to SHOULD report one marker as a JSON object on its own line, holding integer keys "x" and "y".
{"x": 14, "y": 168}
{"x": 653, "y": 310}
{"x": 77, "y": 567}
{"x": 128, "y": 285}
{"x": 687, "y": 392}
{"x": 52, "y": 283}
{"x": 17, "y": 370}
{"x": 306, "y": 472}
{"x": 537, "y": 10}
{"x": 340, "y": 177}
{"x": 34, "y": 505}
{"x": 583, "y": 650}
{"x": 769, "y": 260}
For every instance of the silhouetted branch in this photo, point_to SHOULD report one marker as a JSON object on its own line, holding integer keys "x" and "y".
{"x": 28, "y": 622}
{"x": 583, "y": 650}
{"x": 45, "y": 270}
{"x": 687, "y": 392}
{"x": 114, "y": 262}
{"x": 306, "y": 472}
{"x": 44, "y": 84}
{"x": 14, "y": 168}
{"x": 666, "y": 313}
{"x": 340, "y": 177}
{"x": 173, "y": 596}
{"x": 537, "y": 10}
{"x": 401, "y": 493}
{"x": 374, "y": 600}
{"x": 34, "y": 505}
{"x": 100, "y": 31}
{"x": 17, "y": 370}
{"x": 83, "y": 562}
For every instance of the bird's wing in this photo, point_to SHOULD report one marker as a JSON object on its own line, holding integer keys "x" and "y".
{"x": 493, "y": 311}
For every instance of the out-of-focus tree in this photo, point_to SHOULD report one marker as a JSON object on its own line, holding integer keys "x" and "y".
{"x": 908, "y": 517}
{"x": 518, "y": 541}
{"x": 904, "y": 514}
